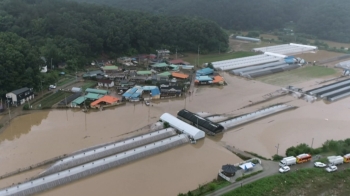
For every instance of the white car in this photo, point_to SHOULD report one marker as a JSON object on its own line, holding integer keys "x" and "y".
{"x": 52, "y": 86}
{"x": 284, "y": 169}
{"x": 331, "y": 168}
{"x": 319, "y": 164}
{"x": 147, "y": 103}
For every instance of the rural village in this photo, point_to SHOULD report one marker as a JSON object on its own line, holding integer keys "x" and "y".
{"x": 207, "y": 109}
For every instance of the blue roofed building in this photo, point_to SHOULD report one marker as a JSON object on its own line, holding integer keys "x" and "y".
{"x": 155, "y": 93}
{"x": 205, "y": 72}
{"x": 203, "y": 80}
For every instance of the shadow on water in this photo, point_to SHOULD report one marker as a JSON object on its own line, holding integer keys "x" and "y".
{"x": 216, "y": 138}
{"x": 199, "y": 143}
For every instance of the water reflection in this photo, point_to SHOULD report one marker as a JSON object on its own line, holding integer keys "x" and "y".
{"x": 22, "y": 125}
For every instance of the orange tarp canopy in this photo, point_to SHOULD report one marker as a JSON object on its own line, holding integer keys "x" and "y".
{"x": 106, "y": 98}
{"x": 179, "y": 75}
{"x": 218, "y": 79}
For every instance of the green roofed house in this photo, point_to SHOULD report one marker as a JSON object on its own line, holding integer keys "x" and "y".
{"x": 160, "y": 65}
{"x": 97, "y": 91}
{"x": 78, "y": 101}
{"x": 110, "y": 68}
{"x": 144, "y": 73}
{"x": 164, "y": 74}
{"x": 93, "y": 96}
{"x": 174, "y": 67}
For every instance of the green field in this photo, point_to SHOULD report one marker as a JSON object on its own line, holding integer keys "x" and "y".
{"x": 89, "y": 84}
{"x": 192, "y": 58}
{"x": 311, "y": 181}
{"x": 50, "y": 100}
{"x": 207, "y": 188}
{"x": 65, "y": 81}
{"x": 297, "y": 75}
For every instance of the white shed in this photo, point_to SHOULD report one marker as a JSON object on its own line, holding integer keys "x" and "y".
{"x": 180, "y": 125}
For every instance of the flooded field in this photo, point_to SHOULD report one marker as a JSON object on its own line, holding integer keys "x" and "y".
{"x": 42, "y": 135}
{"x": 319, "y": 55}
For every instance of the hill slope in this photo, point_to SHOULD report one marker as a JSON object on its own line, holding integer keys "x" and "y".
{"x": 323, "y": 18}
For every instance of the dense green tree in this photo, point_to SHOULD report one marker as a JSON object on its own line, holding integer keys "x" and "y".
{"x": 75, "y": 33}
{"x": 19, "y": 63}
{"x": 323, "y": 18}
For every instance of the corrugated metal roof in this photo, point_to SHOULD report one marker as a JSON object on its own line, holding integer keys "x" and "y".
{"x": 202, "y": 122}
{"x": 79, "y": 100}
{"x": 205, "y": 71}
{"x": 97, "y": 91}
{"x": 21, "y": 90}
{"x": 144, "y": 73}
{"x": 182, "y": 126}
{"x": 204, "y": 78}
{"x": 93, "y": 96}
{"x": 164, "y": 74}
{"x": 155, "y": 92}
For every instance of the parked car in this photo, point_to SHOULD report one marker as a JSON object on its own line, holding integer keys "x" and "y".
{"x": 52, "y": 86}
{"x": 147, "y": 103}
{"x": 284, "y": 169}
{"x": 331, "y": 168}
{"x": 319, "y": 164}
{"x": 120, "y": 92}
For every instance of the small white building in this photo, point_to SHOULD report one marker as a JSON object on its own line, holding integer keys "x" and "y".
{"x": 180, "y": 125}
{"x": 105, "y": 83}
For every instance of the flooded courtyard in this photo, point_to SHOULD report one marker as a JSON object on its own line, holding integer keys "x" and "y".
{"x": 42, "y": 135}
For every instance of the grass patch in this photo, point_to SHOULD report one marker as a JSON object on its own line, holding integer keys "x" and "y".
{"x": 65, "y": 81}
{"x": 89, "y": 84}
{"x": 192, "y": 58}
{"x": 256, "y": 155}
{"x": 49, "y": 101}
{"x": 247, "y": 176}
{"x": 297, "y": 75}
{"x": 310, "y": 181}
{"x": 243, "y": 157}
{"x": 207, "y": 188}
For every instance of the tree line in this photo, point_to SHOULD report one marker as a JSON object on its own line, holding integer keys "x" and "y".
{"x": 322, "y": 18}
{"x": 77, "y": 33}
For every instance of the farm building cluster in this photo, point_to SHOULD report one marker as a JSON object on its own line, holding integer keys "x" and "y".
{"x": 273, "y": 59}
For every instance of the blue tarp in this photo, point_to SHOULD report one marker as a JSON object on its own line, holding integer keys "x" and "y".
{"x": 155, "y": 92}
{"x": 289, "y": 59}
{"x": 205, "y": 71}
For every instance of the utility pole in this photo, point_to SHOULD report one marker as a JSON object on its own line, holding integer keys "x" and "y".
{"x": 278, "y": 146}
{"x": 8, "y": 106}
{"x": 51, "y": 64}
{"x": 198, "y": 57}
{"x": 312, "y": 142}
{"x": 176, "y": 54}
{"x": 76, "y": 76}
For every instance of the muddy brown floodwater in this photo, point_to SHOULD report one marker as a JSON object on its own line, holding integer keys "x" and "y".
{"x": 39, "y": 136}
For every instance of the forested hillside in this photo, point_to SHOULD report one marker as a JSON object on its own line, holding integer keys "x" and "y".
{"x": 77, "y": 33}
{"x": 322, "y": 18}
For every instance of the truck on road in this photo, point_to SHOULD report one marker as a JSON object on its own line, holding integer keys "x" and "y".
{"x": 335, "y": 160}
{"x": 288, "y": 161}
